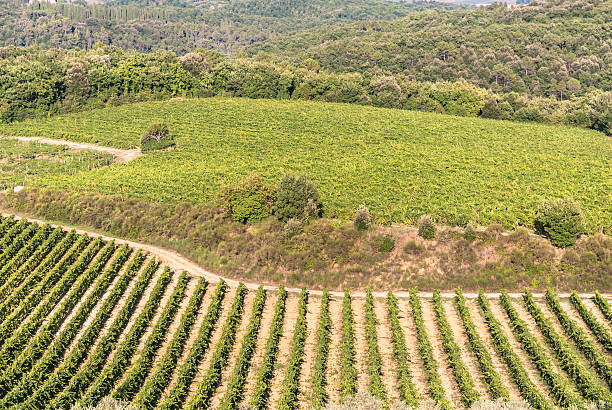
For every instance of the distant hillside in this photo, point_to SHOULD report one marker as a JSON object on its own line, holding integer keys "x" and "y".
{"x": 553, "y": 48}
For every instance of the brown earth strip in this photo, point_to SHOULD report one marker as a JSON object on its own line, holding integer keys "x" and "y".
{"x": 361, "y": 345}
{"x": 335, "y": 350}
{"x": 313, "y": 312}
{"x": 385, "y": 347}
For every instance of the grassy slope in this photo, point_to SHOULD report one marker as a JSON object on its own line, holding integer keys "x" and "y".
{"x": 400, "y": 163}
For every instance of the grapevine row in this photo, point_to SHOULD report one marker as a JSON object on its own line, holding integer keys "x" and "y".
{"x": 10, "y": 274}
{"x": 604, "y": 306}
{"x": 104, "y": 383}
{"x": 600, "y": 332}
{"x": 377, "y": 388}
{"x": 81, "y": 381}
{"x": 139, "y": 372}
{"x": 18, "y": 242}
{"x": 348, "y": 373}
{"x": 36, "y": 267}
{"x": 233, "y": 395}
{"x": 6, "y": 224}
{"x": 266, "y": 370}
{"x": 462, "y": 376}
{"x": 319, "y": 379}
{"x": 407, "y": 391}
{"x": 291, "y": 382}
{"x": 212, "y": 379}
{"x": 575, "y": 332}
{"x": 429, "y": 362}
{"x": 12, "y": 233}
{"x": 156, "y": 384}
{"x": 587, "y": 385}
{"x": 527, "y": 389}
{"x": 70, "y": 365}
{"x": 485, "y": 364}
{"x": 189, "y": 368}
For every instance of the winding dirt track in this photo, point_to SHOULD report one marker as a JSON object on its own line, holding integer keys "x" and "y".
{"x": 179, "y": 263}
{"x": 121, "y": 155}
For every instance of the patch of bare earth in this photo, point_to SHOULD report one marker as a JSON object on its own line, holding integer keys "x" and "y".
{"x": 446, "y": 377}
{"x": 385, "y": 347}
{"x": 313, "y": 313}
{"x": 575, "y": 316}
{"x": 335, "y": 350}
{"x": 461, "y": 339}
{"x": 231, "y": 363}
{"x": 260, "y": 346}
{"x": 416, "y": 363}
{"x": 203, "y": 367}
{"x": 284, "y": 349}
{"x": 164, "y": 302}
{"x": 193, "y": 335}
{"x": 534, "y": 375}
{"x": 485, "y": 336}
{"x": 361, "y": 344}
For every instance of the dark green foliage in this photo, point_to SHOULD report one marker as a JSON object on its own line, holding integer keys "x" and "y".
{"x": 156, "y": 137}
{"x": 604, "y": 306}
{"x": 297, "y": 197}
{"x": 384, "y": 243}
{"x": 248, "y": 201}
{"x": 427, "y": 227}
{"x": 561, "y": 221}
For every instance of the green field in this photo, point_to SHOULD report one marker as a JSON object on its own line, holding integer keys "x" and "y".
{"x": 400, "y": 163}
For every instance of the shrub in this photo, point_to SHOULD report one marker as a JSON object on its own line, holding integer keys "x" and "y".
{"x": 470, "y": 232}
{"x": 157, "y": 137}
{"x": 561, "y": 221}
{"x": 296, "y": 197}
{"x": 292, "y": 228}
{"x": 362, "y": 219}
{"x": 249, "y": 201}
{"x": 427, "y": 227}
{"x": 384, "y": 243}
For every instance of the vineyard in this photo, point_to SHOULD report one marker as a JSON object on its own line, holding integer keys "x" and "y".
{"x": 82, "y": 318}
{"x": 401, "y": 164}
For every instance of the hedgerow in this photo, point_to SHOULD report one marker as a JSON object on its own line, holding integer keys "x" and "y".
{"x": 587, "y": 385}
{"x": 436, "y": 391}
{"x": 600, "y": 332}
{"x": 407, "y": 391}
{"x": 291, "y": 382}
{"x": 506, "y": 353}
{"x": 575, "y": 332}
{"x": 189, "y": 368}
{"x": 234, "y": 393}
{"x": 485, "y": 364}
{"x": 212, "y": 379}
{"x": 153, "y": 389}
{"x": 319, "y": 377}
{"x": 261, "y": 390}
{"x": 139, "y": 372}
{"x": 467, "y": 388}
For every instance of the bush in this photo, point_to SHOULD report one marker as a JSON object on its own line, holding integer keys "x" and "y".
{"x": 362, "y": 220}
{"x": 470, "y": 232}
{"x": 157, "y": 137}
{"x": 427, "y": 227}
{"x": 249, "y": 201}
{"x": 384, "y": 243}
{"x": 296, "y": 197}
{"x": 561, "y": 221}
{"x": 292, "y": 228}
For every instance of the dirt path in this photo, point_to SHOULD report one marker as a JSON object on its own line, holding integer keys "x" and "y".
{"x": 284, "y": 349}
{"x": 528, "y": 365}
{"x": 179, "y": 263}
{"x": 260, "y": 346}
{"x": 416, "y": 363}
{"x": 461, "y": 339}
{"x": 385, "y": 347}
{"x": 313, "y": 313}
{"x": 444, "y": 371}
{"x": 226, "y": 375}
{"x": 485, "y": 336}
{"x": 335, "y": 350}
{"x": 121, "y": 155}
{"x": 361, "y": 345}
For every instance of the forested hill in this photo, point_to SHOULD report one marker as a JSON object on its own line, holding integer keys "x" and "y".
{"x": 180, "y": 25}
{"x": 553, "y": 48}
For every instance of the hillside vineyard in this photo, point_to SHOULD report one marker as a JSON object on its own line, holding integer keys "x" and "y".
{"x": 82, "y": 319}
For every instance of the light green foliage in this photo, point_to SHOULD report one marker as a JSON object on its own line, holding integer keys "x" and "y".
{"x": 561, "y": 221}
{"x": 297, "y": 197}
{"x": 248, "y": 201}
{"x": 485, "y": 170}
